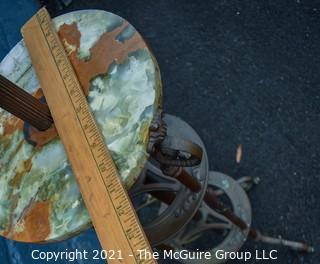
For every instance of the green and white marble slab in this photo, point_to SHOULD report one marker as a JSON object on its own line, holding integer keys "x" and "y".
{"x": 123, "y": 100}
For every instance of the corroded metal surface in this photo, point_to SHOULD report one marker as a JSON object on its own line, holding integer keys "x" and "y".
{"x": 236, "y": 237}
{"x": 179, "y": 202}
{"x": 39, "y": 197}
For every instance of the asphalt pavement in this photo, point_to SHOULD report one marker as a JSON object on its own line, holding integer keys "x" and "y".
{"x": 242, "y": 72}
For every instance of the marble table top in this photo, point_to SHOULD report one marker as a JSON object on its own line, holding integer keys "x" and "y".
{"x": 39, "y": 197}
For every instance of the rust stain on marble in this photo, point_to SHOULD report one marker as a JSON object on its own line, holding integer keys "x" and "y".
{"x": 106, "y": 50}
{"x": 35, "y": 225}
{"x": 70, "y": 36}
{"x": 16, "y": 180}
{"x": 12, "y": 124}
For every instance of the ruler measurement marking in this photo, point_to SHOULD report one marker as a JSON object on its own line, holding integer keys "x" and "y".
{"x": 94, "y": 134}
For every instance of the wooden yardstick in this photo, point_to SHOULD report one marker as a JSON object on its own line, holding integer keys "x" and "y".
{"x": 106, "y": 199}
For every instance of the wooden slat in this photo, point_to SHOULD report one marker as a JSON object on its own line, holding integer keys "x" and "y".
{"x": 23, "y": 105}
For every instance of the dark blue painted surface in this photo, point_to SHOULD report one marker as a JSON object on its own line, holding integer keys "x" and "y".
{"x": 13, "y": 15}
{"x": 20, "y": 253}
